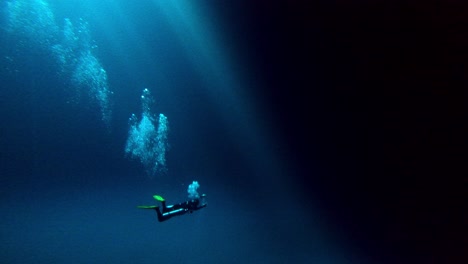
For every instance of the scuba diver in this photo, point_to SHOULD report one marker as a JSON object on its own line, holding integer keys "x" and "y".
{"x": 169, "y": 211}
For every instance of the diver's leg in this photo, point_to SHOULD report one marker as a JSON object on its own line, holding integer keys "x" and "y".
{"x": 175, "y": 212}
{"x": 161, "y": 218}
{"x": 162, "y": 200}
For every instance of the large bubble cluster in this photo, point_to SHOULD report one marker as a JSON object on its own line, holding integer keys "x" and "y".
{"x": 147, "y": 138}
{"x": 89, "y": 74}
{"x": 33, "y": 23}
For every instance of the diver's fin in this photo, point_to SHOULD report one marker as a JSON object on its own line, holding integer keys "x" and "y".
{"x": 147, "y": 206}
{"x": 159, "y": 198}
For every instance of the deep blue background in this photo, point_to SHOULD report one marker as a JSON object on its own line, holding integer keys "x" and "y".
{"x": 361, "y": 101}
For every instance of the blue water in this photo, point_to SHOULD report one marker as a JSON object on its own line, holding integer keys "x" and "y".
{"x": 72, "y": 74}
{"x": 321, "y": 131}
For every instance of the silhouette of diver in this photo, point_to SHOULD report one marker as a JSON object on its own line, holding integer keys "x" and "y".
{"x": 169, "y": 211}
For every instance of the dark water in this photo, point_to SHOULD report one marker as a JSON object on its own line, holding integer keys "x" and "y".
{"x": 272, "y": 108}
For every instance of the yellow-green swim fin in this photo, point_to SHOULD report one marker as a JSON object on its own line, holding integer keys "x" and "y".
{"x": 147, "y": 206}
{"x": 159, "y": 198}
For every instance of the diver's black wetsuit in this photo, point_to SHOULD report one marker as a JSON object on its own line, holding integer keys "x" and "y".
{"x": 178, "y": 209}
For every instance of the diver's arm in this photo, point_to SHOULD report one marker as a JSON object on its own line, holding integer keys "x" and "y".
{"x": 200, "y": 207}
